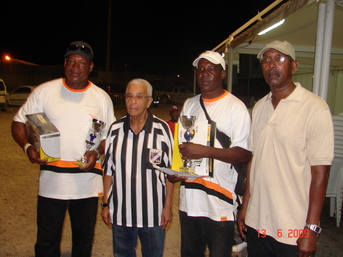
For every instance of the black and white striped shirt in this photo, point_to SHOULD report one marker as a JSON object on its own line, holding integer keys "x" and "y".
{"x": 138, "y": 191}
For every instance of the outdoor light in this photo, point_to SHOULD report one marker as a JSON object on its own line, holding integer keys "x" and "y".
{"x": 13, "y": 60}
{"x": 271, "y": 27}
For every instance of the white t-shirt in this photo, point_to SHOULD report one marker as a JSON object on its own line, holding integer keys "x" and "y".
{"x": 72, "y": 112}
{"x": 214, "y": 197}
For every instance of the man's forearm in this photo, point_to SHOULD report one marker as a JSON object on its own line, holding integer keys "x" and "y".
{"x": 101, "y": 147}
{"x": 307, "y": 244}
{"x": 242, "y": 228}
{"x": 320, "y": 176}
{"x": 107, "y": 185}
{"x": 19, "y": 133}
{"x": 169, "y": 193}
{"x": 231, "y": 155}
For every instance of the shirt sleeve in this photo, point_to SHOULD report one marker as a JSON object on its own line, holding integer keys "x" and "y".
{"x": 108, "y": 115}
{"x": 108, "y": 161}
{"x": 320, "y": 139}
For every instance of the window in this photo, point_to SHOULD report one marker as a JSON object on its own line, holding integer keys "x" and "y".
{"x": 22, "y": 90}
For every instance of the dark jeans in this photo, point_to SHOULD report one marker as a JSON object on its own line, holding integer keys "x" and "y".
{"x": 125, "y": 241}
{"x": 50, "y": 218}
{"x": 267, "y": 246}
{"x": 197, "y": 232}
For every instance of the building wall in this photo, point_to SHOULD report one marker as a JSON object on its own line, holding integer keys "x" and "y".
{"x": 335, "y": 92}
{"x": 335, "y": 88}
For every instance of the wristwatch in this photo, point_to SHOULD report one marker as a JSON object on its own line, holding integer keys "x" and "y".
{"x": 314, "y": 228}
{"x": 103, "y": 205}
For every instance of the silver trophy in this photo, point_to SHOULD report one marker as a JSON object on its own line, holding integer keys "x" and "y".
{"x": 97, "y": 127}
{"x": 187, "y": 122}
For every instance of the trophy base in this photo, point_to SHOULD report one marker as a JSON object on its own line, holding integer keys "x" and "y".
{"x": 81, "y": 163}
{"x": 189, "y": 170}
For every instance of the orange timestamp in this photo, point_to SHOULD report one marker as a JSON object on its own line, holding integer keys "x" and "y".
{"x": 290, "y": 233}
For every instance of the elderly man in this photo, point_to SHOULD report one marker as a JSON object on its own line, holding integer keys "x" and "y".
{"x": 137, "y": 197}
{"x": 208, "y": 205}
{"x": 70, "y": 103}
{"x": 292, "y": 141}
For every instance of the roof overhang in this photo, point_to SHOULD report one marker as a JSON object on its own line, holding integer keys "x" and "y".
{"x": 299, "y": 28}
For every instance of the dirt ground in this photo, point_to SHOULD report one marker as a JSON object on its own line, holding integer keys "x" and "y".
{"x": 18, "y": 191}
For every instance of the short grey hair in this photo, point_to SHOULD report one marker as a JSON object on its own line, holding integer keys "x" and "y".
{"x": 142, "y": 82}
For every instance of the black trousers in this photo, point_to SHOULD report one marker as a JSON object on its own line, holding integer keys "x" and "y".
{"x": 197, "y": 232}
{"x": 267, "y": 246}
{"x": 50, "y": 218}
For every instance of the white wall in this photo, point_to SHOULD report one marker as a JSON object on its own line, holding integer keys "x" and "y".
{"x": 335, "y": 89}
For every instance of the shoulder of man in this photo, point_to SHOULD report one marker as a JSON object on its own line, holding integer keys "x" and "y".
{"x": 99, "y": 90}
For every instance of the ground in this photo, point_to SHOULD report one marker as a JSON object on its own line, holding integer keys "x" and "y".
{"x": 18, "y": 191}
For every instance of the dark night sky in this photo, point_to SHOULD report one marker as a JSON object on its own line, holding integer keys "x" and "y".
{"x": 158, "y": 37}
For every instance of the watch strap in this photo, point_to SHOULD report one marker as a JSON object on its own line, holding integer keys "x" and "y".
{"x": 103, "y": 205}
{"x": 26, "y": 146}
{"x": 314, "y": 228}
{"x": 97, "y": 154}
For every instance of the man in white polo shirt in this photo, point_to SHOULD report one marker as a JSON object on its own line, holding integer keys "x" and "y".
{"x": 292, "y": 142}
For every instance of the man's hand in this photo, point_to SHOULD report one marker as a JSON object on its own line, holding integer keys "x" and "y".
{"x": 167, "y": 216}
{"x": 91, "y": 158}
{"x": 105, "y": 214}
{"x": 242, "y": 228}
{"x": 33, "y": 155}
{"x": 307, "y": 245}
{"x": 190, "y": 151}
{"x": 175, "y": 178}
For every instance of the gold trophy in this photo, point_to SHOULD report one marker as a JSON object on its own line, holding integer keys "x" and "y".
{"x": 187, "y": 122}
{"x": 97, "y": 127}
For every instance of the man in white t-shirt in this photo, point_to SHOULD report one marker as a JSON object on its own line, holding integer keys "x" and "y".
{"x": 292, "y": 142}
{"x": 208, "y": 205}
{"x": 71, "y": 104}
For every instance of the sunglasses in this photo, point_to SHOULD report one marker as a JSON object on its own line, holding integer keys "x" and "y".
{"x": 82, "y": 48}
{"x": 278, "y": 59}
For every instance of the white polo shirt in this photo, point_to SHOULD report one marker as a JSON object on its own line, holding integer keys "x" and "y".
{"x": 286, "y": 142}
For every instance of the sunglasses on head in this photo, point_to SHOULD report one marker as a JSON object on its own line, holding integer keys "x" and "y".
{"x": 83, "y": 49}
